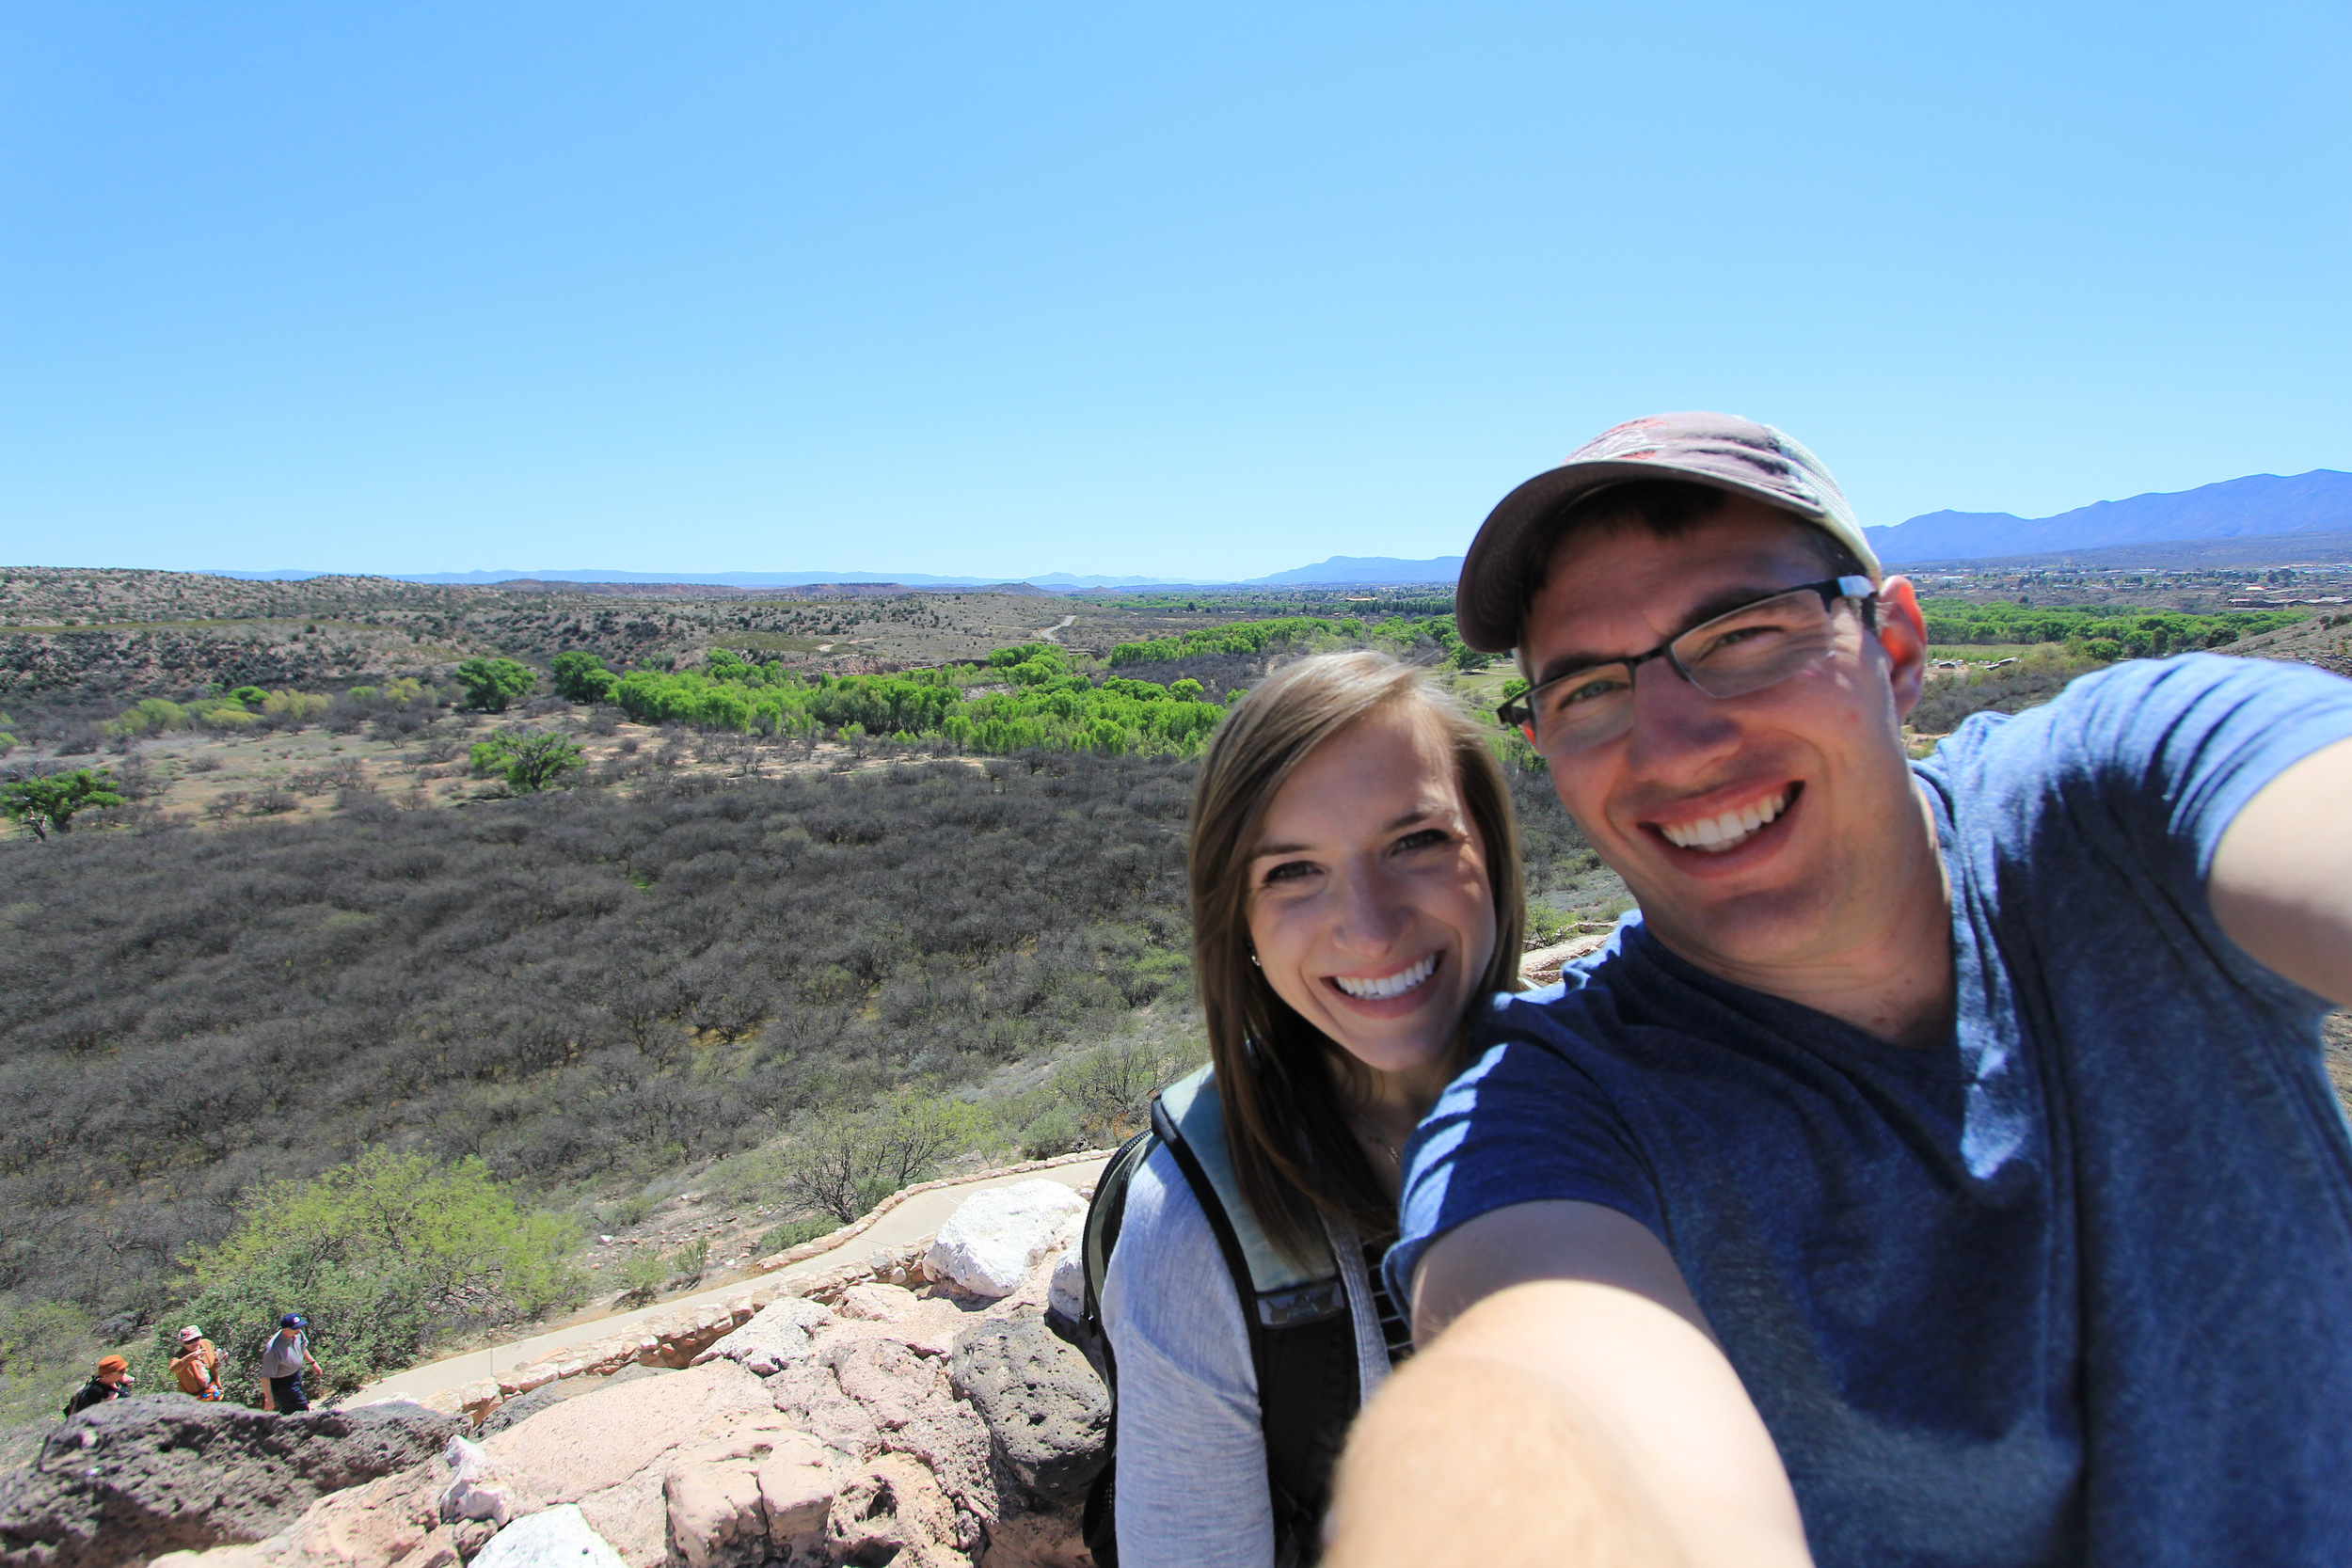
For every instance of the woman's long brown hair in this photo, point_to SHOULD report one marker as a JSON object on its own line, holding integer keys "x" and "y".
{"x": 1278, "y": 1078}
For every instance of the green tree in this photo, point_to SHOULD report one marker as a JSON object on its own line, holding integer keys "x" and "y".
{"x": 379, "y": 1254}
{"x": 527, "y": 760}
{"x": 491, "y": 683}
{"x": 41, "y": 804}
{"x": 581, "y": 678}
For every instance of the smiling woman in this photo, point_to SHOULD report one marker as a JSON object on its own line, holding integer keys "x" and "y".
{"x": 1355, "y": 890}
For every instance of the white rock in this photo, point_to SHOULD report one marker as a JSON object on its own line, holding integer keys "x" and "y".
{"x": 474, "y": 1491}
{"x": 776, "y": 1336}
{"x": 996, "y": 1237}
{"x": 556, "y": 1538}
{"x": 1068, "y": 1295}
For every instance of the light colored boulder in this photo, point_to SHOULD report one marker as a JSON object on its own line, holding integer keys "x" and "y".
{"x": 1068, "y": 1293}
{"x": 877, "y": 1303}
{"x": 773, "y": 1340}
{"x": 558, "y": 1537}
{"x": 761, "y": 1496}
{"x": 893, "y": 1512}
{"x": 997, "y": 1235}
{"x": 608, "y": 1452}
{"x": 474, "y": 1491}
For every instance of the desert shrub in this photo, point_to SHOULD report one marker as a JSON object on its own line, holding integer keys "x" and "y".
{"x": 380, "y": 1255}
{"x": 844, "y": 1166}
{"x": 1107, "y": 1091}
{"x": 47, "y": 1348}
{"x": 298, "y": 707}
{"x": 573, "y": 987}
{"x": 580, "y": 988}
{"x": 2030, "y": 682}
{"x": 793, "y": 1233}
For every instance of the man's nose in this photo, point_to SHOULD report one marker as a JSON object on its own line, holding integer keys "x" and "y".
{"x": 1676, "y": 727}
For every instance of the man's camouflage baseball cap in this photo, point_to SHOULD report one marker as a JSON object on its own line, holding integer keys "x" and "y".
{"x": 1719, "y": 450}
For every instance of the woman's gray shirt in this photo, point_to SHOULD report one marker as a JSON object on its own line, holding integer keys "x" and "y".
{"x": 1192, "y": 1481}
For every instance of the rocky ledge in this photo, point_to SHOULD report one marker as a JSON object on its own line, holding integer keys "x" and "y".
{"x": 915, "y": 1408}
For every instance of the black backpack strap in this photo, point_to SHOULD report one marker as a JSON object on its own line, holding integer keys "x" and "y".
{"x": 1106, "y": 1213}
{"x": 1222, "y": 1225}
{"x": 1302, "y": 1345}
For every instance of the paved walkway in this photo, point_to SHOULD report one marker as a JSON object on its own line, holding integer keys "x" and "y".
{"x": 918, "y": 1217}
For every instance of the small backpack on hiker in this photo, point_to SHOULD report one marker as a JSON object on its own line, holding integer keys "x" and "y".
{"x": 1304, "y": 1338}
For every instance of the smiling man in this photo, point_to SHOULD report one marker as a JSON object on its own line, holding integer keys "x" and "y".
{"x": 1942, "y": 1168}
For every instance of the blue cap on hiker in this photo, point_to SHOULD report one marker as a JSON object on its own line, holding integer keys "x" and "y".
{"x": 293, "y": 1321}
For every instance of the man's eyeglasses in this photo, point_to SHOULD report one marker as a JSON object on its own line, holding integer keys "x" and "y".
{"x": 1738, "y": 652}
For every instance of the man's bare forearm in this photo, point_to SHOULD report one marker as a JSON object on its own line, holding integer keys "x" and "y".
{"x": 2282, "y": 877}
{"x": 1461, "y": 1462}
{"x": 1568, "y": 1422}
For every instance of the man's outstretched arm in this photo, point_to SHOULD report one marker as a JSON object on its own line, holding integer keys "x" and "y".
{"x": 1568, "y": 1406}
{"x": 2282, "y": 877}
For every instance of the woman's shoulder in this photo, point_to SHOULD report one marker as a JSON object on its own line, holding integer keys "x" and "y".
{"x": 1164, "y": 1220}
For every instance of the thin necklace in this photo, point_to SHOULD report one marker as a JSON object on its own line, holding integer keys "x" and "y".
{"x": 1386, "y": 1148}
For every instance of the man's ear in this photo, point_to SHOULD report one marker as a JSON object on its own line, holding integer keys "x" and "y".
{"x": 1903, "y": 633}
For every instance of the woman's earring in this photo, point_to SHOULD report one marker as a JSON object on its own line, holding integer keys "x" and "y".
{"x": 1254, "y": 963}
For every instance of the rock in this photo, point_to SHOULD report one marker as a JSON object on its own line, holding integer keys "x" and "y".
{"x": 773, "y": 1340}
{"x": 134, "y": 1479}
{"x": 556, "y": 1538}
{"x": 382, "y": 1522}
{"x": 215, "y": 1557}
{"x": 864, "y": 1396}
{"x": 893, "y": 1512}
{"x": 1068, "y": 1293}
{"x": 608, "y": 1450}
{"x": 523, "y": 1406}
{"x": 555, "y": 1391}
{"x": 438, "y": 1550}
{"x": 877, "y": 1303}
{"x": 928, "y": 1328}
{"x": 467, "y": 1538}
{"x": 763, "y": 1494}
{"x": 1046, "y": 1410}
{"x": 995, "y": 1236}
{"x": 474, "y": 1491}
{"x": 1049, "y": 1538}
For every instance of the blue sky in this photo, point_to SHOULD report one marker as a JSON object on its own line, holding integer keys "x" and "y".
{"x": 1197, "y": 291}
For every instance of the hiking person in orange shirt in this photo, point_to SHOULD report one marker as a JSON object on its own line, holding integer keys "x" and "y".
{"x": 197, "y": 1365}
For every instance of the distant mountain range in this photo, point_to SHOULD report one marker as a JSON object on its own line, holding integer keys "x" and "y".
{"x": 2259, "y": 506}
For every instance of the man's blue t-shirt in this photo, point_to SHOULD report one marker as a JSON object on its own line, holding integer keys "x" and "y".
{"x": 2075, "y": 1288}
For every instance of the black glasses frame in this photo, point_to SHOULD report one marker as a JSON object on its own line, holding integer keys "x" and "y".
{"x": 1518, "y": 712}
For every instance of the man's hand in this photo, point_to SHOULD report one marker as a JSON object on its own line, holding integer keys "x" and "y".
{"x": 2281, "y": 878}
{"x": 1573, "y": 1409}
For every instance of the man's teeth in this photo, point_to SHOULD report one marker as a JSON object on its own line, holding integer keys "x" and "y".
{"x": 1388, "y": 985}
{"x": 1716, "y": 834}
